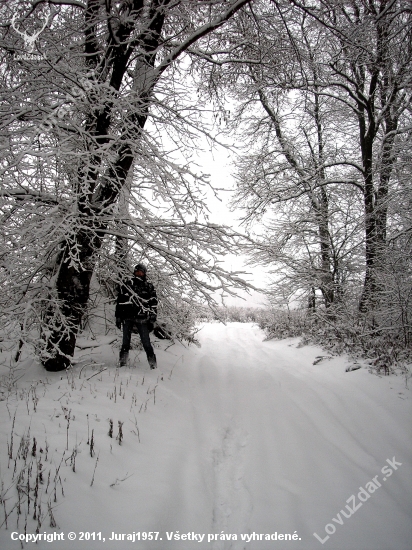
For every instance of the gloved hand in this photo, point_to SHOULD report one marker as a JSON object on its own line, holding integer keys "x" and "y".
{"x": 152, "y": 317}
{"x": 118, "y": 323}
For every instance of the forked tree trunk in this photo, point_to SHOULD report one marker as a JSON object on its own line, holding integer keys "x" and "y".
{"x": 76, "y": 269}
{"x": 73, "y": 289}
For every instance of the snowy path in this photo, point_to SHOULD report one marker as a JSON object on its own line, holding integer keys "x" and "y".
{"x": 261, "y": 440}
{"x": 249, "y": 436}
{"x": 277, "y": 444}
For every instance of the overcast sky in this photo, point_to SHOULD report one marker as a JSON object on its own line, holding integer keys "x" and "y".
{"x": 219, "y": 164}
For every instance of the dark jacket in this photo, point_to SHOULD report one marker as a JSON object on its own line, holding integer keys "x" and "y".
{"x": 136, "y": 300}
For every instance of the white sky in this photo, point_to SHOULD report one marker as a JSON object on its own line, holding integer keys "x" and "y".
{"x": 219, "y": 164}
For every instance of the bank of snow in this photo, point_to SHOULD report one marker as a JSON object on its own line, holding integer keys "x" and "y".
{"x": 237, "y": 437}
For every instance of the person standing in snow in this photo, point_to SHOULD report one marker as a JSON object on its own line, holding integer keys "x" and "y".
{"x": 136, "y": 308}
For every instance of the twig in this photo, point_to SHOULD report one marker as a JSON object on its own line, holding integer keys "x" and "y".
{"x": 96, "y": 373}
{"x": 94, "y": 471}
{"x": 118, "y": 480}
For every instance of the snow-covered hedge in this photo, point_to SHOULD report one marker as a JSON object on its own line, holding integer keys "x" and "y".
{"x": 361, "y": 335}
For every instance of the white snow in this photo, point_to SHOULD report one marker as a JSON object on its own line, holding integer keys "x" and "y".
{"x": 237, "y": 437}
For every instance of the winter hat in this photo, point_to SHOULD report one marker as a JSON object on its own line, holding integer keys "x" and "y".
{"x": 140, "y": 267}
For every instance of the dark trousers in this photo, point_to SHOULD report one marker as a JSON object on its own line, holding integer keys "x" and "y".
{"x": 143, "y": 333}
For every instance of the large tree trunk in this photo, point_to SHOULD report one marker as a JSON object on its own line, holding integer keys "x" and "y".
{"x": 376, "y": 193}
{"x": 368, "y": 297}
{"x": 73, "y": 288}
{"x": 76, "y": 270}
{"x": 121, "y": 244}
{"x": 322, "y": 213}
{"x": 96, "y": 198}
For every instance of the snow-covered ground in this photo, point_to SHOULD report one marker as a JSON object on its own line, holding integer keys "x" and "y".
{"x": 239, "y": 438}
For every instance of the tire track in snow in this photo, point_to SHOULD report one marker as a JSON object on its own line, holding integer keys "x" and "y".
{"x": 231, "y": 496}
{"x": 224, "y": 443}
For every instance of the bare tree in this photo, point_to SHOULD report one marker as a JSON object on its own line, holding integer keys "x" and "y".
{"x": 369, "y": 67}
{"x": 323, "y": 91}
{"x": 290, "y": 129}
{"x": 77, "y": 115}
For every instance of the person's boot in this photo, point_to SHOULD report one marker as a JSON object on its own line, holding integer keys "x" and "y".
{"x": 152, "y": 361}
{"x": 124, "y": 356}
